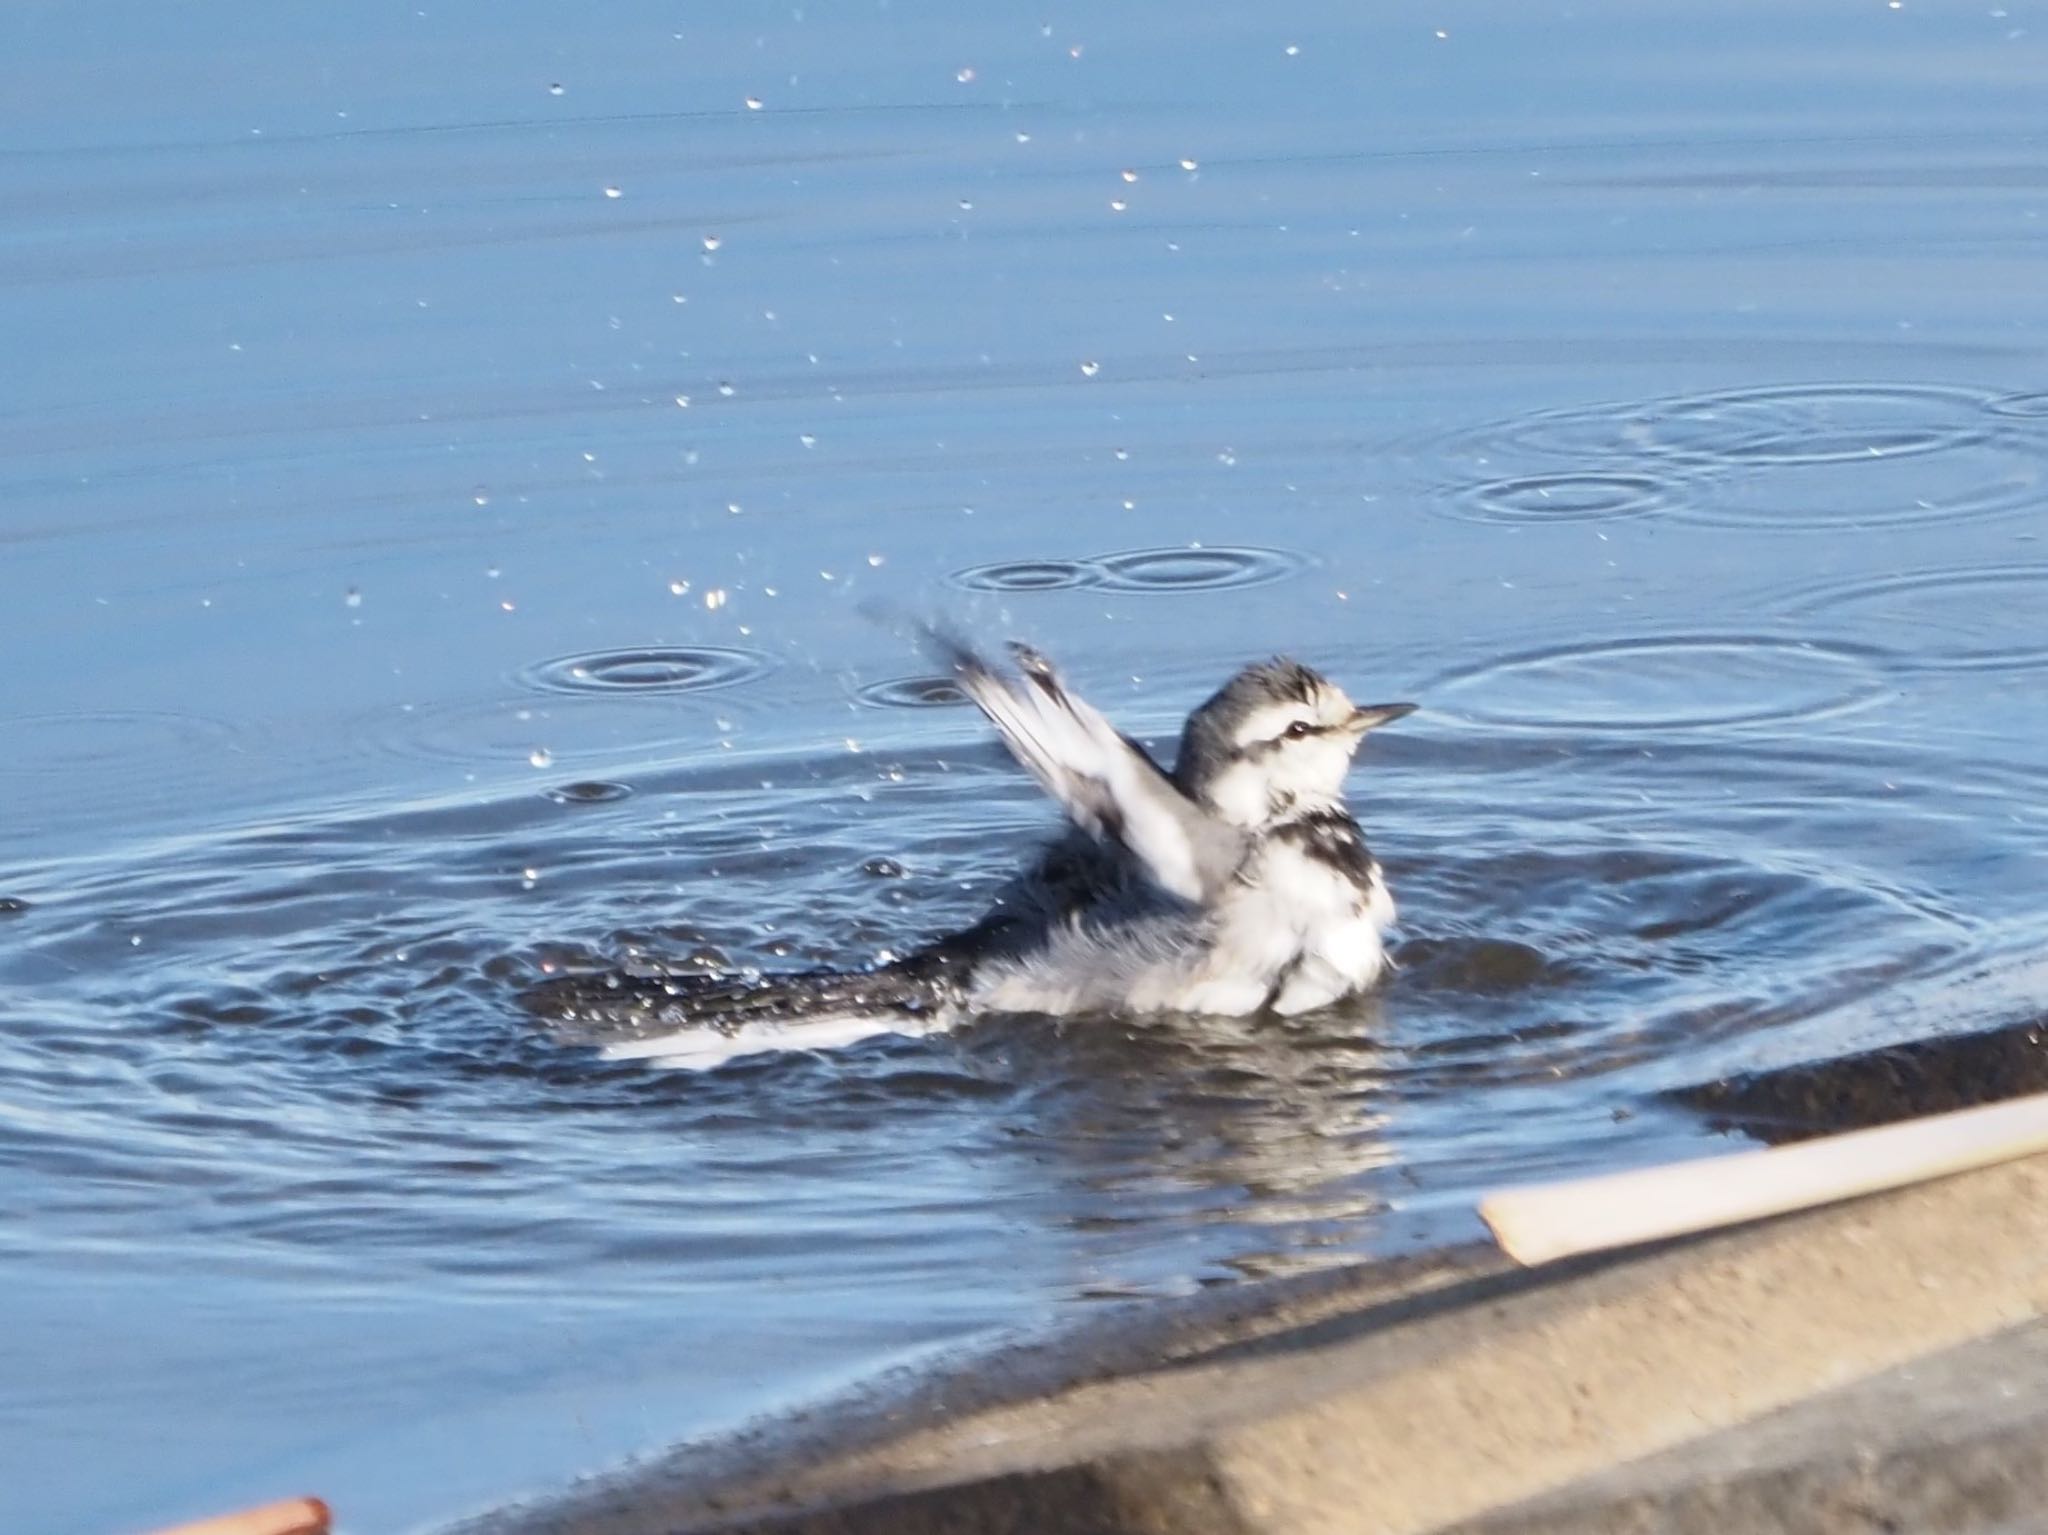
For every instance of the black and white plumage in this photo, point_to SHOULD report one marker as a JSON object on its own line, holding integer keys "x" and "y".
{"x": 1234, "y": 884}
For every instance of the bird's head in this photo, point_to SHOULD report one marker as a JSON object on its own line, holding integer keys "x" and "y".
{"x": 1275, "y": 742}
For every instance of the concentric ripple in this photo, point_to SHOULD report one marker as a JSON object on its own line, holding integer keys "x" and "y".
{"x": 1774, "y": 424}
{"x": 1875, "y": 491}
{"x": 1190, "y": 568}
{"x": 45, "y": 745}
{"x": 1544, "y": 498}
{"x": 912, "y": 693}
{"x": 1681, "y": 682}
{"x": 532, "y": 733}
{"x": 2031, "y": 406}
{"x": 1195, "y": 568}
{"x": 1985, "y": 618}
{"x": 1029, "y": 576}
{"x": 659, "y": 669}
{"x": 1825, "y": 423}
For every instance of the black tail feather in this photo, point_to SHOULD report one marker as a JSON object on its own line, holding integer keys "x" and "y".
{"x": 611, "y": 1000}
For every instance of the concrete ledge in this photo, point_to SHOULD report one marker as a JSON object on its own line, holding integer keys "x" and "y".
{"x": 1950, "y": 1443}
{"x": 1451, "y": 1398}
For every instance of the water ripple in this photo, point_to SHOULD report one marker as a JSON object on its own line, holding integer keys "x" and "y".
{"x": 539, "y": 734}
{"x": 913, "y": 693}
{"x": 1874, "y": 491}
{"x": 588, "y": 791}
{"x": 1785, "y": 424}
{"x": 1029, "y": 576}
{"x": 49, "y": 745}
{"x": 1672, "y": 682}
{"x": 654, "y": 669}
{"x": 1195, "y": 569}
{"x": 1545, "y": 498}
{"x": 1972, "y": 618}
{"x": 1189, "y": 568}
{"x": 1783, "y": 457}
{"x": 2031, "y": 406}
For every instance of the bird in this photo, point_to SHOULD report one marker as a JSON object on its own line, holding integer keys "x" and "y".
{"x": 1235, "y": 883}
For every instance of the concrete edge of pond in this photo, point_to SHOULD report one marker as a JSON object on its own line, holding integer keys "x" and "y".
{"x": 1405, "y": 1397}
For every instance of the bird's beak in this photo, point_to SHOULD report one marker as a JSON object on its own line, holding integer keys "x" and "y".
{"x": 1372, "y": 716}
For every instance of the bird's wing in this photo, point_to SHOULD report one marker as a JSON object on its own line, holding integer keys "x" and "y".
{"x": 1104, "y": 781}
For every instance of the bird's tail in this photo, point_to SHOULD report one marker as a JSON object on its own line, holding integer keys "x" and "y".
{"x": 701, "y": 1020}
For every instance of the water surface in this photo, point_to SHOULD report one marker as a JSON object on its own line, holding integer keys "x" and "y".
{"x": 444, "y": 458}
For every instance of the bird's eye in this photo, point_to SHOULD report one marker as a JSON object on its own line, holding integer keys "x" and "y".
{"x": 1298, "y": 729}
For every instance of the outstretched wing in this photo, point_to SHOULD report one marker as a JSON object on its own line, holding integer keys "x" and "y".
{"x": 1103, "y": 781}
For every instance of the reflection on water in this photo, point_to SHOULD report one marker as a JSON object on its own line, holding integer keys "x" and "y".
{"x": 447, "y": 454}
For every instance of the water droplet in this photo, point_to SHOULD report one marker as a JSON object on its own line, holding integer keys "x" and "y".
{"x": 1117, "y": 205}
{"x": 614, "y": 192}
{"x": 726, "y": 389}
{"x": 753, "y": 103}
{"x": 541, "y": 757}
{"x": 1293, "y": 50}
{"x": 353, "y": 597}
{"x": 733, "y": 508}
{"x": 1090, "y": 369}
{"x": 807, "y": 439}
{"x": 966, "y": 205}
{"x": 714, "y": 599}
{"x": 964, "y": 76}
{"x": 712, "y": 242}
{"x": 682, "y": 402}
{"x": 679, "y": 588}
{"x": 555, "y": 90}
{"x": 1023, "y": 138}
{"x": 876, "y": 560}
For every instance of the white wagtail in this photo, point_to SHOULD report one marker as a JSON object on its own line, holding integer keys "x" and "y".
{"x": 1235, "y": 884}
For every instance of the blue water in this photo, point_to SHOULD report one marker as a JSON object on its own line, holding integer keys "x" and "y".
{"x": 446, "y": 454}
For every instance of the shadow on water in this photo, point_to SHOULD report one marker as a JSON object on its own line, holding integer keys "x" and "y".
{"x": 1877, "y": 1087}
